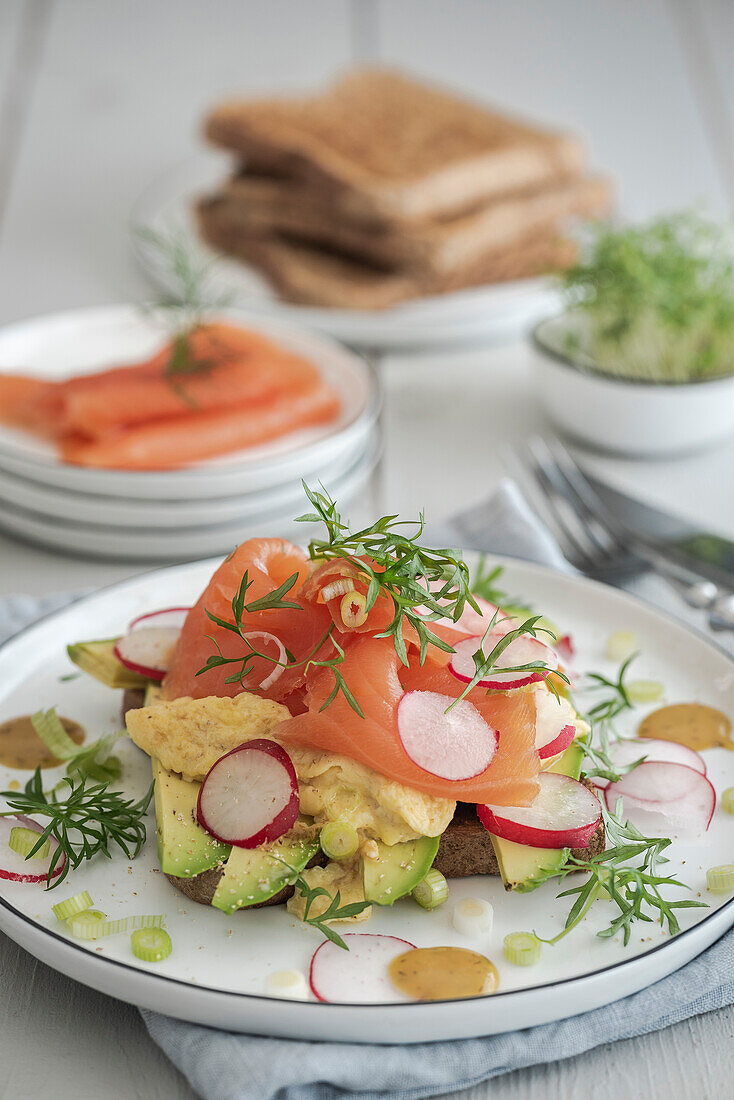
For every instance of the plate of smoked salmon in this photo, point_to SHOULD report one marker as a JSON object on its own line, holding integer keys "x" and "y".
{"x": 365, "y": 789}
{"x": 129, "y": 433}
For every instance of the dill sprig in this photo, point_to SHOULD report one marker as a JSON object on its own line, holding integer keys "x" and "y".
{"x": 334, "y": 911}
{"x": 601, "y": 717}
{"x": 421, "y": 584}
{"x": 628, "y": 873}
{"x": 88, "y": 820}
{"x": 484, "y": 582}
{"x": 187, "y": 306}
{"x": 271, "y": 601}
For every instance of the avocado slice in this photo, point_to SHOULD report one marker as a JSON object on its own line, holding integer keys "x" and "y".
{"x": 398, "y": 868}
{"x": 184, "y": 848}
{"x": 524, "y": 868}
{"x": 252, "y": 875}
{"x": 98, "y": 659}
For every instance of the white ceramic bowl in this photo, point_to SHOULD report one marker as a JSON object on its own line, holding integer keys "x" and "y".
{"x": 637, "y": 419}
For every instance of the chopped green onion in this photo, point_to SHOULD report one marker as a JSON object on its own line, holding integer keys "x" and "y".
{"x": 23, "y": 841}
{"x": 645, "y": 691}
{"x": 85, "y": 929}
{"x": 522, "y": 948}
{"x": 727, "y": 800}
{"x": 151, "y": 944}
{"x": 621, "y": 645}
{"x": 353, "y": 609}
{"x": 50, "y": 729}
{"x": 69, "y": 908}
{"x": 339, "y": 840}
{"x": 720, "y": 880}
{"x": 84, "y": 925}
{"x": 431, "y": 891}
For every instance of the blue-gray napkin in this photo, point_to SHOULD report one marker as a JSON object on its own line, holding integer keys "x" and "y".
{"x": 225, "y": 1066}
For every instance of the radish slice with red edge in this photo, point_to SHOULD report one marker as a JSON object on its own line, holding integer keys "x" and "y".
{"x": 250, "y": 796}
{"x": 359, "y": 975}
{"x": 624, "y": 752}
{"x": 14, "y": 866}
{"x": 521, "y": 651}
{"x": 149, "y": 643}
{"x": 553, "y": 733}
{"x": 666, "y": 797}
{"x": 565, "y": 649}
{"x": 564, "y": 814}
{"x": 454, "y": 745}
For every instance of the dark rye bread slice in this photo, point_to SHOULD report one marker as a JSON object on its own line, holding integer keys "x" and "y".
{"x": 256, "y": 205}
{"x": 310, "y": 275}
{"x": 465, "y": 847}
{"x": 387, "y": 145}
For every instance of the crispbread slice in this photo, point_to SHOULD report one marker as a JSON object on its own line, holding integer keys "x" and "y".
{"x": 257, "y": 205}
{"x": 309, "y": 275}
{"x": 393, "y": 146}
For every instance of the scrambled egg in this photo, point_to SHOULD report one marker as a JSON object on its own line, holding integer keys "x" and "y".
{"x": 189, "y": 735}
{"x": 346, "y": 877}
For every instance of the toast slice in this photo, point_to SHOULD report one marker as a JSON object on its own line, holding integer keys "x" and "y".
{"x": 385, "y": 145}
{"x": 257, "y": 205}
{"x": 310, "y": 275}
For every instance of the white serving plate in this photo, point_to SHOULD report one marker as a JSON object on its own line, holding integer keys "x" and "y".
{"x": 489, "y": 313}
{"x": 164, "y": 542}
{"x": 217, "y": 971}
{"x": 61, "y": 345}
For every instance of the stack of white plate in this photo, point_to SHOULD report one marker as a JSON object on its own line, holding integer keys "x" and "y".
{"x": 183, "y": 514}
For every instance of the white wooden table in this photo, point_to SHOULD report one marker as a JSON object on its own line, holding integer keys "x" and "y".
{"x": 97, "y": 97}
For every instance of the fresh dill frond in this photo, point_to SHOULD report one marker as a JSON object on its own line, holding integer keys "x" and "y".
{"x": 88, "y": 820}
{"x": 334, "y": 911}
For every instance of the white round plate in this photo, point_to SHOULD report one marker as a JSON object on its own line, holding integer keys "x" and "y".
{"x": 60, "y": 345}
{"x": 489, "y": 313}
{"x": 216, "y": 974}
{"x": 166, "y": 543}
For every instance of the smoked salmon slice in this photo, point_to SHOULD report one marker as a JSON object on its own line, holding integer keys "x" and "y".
{"x": 372, "y": 672}
{"x": 180, "y": 441}
{"x": 268, "y": 562}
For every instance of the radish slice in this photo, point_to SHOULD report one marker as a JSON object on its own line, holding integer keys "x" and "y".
{"x": 173, "y": 617}
{"x": 15, "y": 867}
{"x": 622, "y": 753}
{"x": 148, "y": 645}
{"x": 664, "y": 796}
{"x": 250, "y": 796}
{"x": 360, "y": 975}
{"x": 564, "y": 814}
{"x": 553, "y": 732}
{"x": 565, "y": 649}
{"x": 457, "y": 745}
{"x": 520, "y": 652}
{"x": 471, "y": 621}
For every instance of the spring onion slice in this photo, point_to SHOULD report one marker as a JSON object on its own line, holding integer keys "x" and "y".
{"x": 522, "y": 948}
{"x": 49, "y": 728}
{"x": 720, "y": 880}
{"x": 83, "y": 925}
{"x": 645, "y": 691}
{"x": 338, "y": 840}
{"x": 85, "y": 929}
{"x": 151, "y": 944}
{"x": 353, "y": 610}
{"x": 727, "y": 800}
{"x": 431, "y": 891}
{"x": 69, "y": 908}
{"x": 23, "y": 841}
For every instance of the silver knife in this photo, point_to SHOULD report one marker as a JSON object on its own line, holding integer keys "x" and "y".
{"x": 707, "y": 553}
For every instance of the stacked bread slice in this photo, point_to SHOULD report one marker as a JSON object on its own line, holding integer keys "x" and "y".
{"x": 382, "y": 189}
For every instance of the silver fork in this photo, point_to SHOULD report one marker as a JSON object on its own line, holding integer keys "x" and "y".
{"x": 576, "y": 515}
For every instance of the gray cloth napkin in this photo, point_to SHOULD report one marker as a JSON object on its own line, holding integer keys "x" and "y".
{"x": 225, "y": 1066}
